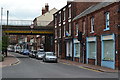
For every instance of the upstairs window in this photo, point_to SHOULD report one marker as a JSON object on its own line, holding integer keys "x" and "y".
{"x": 55, "y": 19}
{"x": 84, "y": 27}
{"x": 64, "y": 30}
{"x": 64, "y": 15}
{"x": 92, "y": 24}
{"x": 60, "y": 32}
{"x": 55, "y": 33}
{"x": 59, "y": 16}
{"x": 76, "y": 27}
{"x": 107, "y": 20}
{"x": 69, "y": 28}
{"x": 69, "y": 11}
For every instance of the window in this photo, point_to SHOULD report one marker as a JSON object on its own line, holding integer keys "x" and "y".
{"x": 107, "y": 20}
{"x": 91, "y": 50}
{"x": 64, "y": 30}
{"x": 77, "y": 29}
{"x": 59, "y": 32}
{"x": 92, "y": 24}
{"x": 59, "y": 16}
{"x": 69, "y": 12}
{"x": 64, "y": 14}
{"x": 77, "y": 49}
{"x": 55, "y": 33}
{"x": 55, "y": 20}
{"x": 84, "y": 27}
{"x": 70, "y": 28}
{"x": 108, "y": 50}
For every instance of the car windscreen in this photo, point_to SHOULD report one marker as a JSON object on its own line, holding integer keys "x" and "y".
{"x": 40, "y": 53}
{"x": 50, "y": 54}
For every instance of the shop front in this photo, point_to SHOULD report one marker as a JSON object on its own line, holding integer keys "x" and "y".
{"x": 91, "y": 50}
{"x": 108, "y": 51}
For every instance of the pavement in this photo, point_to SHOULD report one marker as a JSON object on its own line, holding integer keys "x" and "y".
{"x": 12, "y": 60}
{"x": 88, "y": 66}
{"x": 9, "y": 61}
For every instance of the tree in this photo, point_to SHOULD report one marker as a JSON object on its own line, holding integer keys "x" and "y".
{"x": 5, "y": 43}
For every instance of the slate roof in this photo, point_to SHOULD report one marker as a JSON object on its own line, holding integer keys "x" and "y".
{"x": 92, "y": 9}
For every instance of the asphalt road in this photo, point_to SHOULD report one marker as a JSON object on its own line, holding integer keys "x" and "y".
{"x": 33, "y": 68}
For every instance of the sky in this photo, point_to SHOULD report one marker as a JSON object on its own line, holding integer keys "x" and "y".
{"x": 27, "y": 9}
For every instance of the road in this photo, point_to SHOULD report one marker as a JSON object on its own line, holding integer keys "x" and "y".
{"x": 33, "y": 68}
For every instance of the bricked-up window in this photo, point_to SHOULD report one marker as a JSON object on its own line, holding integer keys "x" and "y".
{"x": 107, "y": 20}
{"x": 92, "y": 24}
{"x": 84, "y": 27}
{"x": 60, "y": 32}
{"x": 76, "y": 28}
{"x": 64, "y": 30}
{"x": 69, "y": 28}
{"x": 69, "y": 11}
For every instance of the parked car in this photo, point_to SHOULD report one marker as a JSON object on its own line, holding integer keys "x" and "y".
{"x": 33, "y": 53}
{"x": 40, "y": 50}
{"x": 40, "y": 55}
{"x": 21, "y": 51}
{"x": 49, "y": 56}
{"x": 10, "y": 48}
{"x": 25, "y": 52}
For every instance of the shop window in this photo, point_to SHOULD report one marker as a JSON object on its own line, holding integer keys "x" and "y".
{"x": 92, "y": 51}
{"x": 77, "y": 49}
{"x": 108, "y": 50}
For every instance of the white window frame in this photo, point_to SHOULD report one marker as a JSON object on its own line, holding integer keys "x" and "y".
{"x": 76, "y": 29}
{"x": 107, "y": 21}
{"x": 69, "y": 12}
{"x": 64, "y": 15}
{"x": 59, "y": 17}
{"x": 92, "y": 24}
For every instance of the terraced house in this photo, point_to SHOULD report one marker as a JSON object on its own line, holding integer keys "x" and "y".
{"x": 99, "y": 25}
{"x": 64, "y": 30}
{"x": 88, "y": 33}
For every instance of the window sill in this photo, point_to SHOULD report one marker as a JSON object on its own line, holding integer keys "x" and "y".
{"x": 108, "y": 60}
{"x": 107, "y": 29}
{"x": 92, "y": 32}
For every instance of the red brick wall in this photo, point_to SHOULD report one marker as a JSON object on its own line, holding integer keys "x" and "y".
{"x": 100, "y": 26}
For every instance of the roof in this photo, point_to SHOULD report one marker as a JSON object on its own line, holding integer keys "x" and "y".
{"x": 52, "y": 10}
{"x": 92, "y": 9}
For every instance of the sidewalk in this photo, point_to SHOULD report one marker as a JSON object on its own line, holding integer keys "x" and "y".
{"x": 8, "y": 61}
{"x": 88, "y": 66}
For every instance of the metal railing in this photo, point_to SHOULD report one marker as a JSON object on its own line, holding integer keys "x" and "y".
{"x": 25, "y": 22}
{"x": 17, "y": 22}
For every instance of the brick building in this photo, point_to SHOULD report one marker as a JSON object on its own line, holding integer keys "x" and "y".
{"x": 99, "y": 26}
{"x": 64, "y": 30}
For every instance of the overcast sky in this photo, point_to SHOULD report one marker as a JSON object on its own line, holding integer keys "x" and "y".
{"x": 28, "y": 9}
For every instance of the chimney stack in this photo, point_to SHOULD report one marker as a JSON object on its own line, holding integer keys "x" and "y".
{"x": 46, "y": 7}
{"x": 43, "y": 10}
